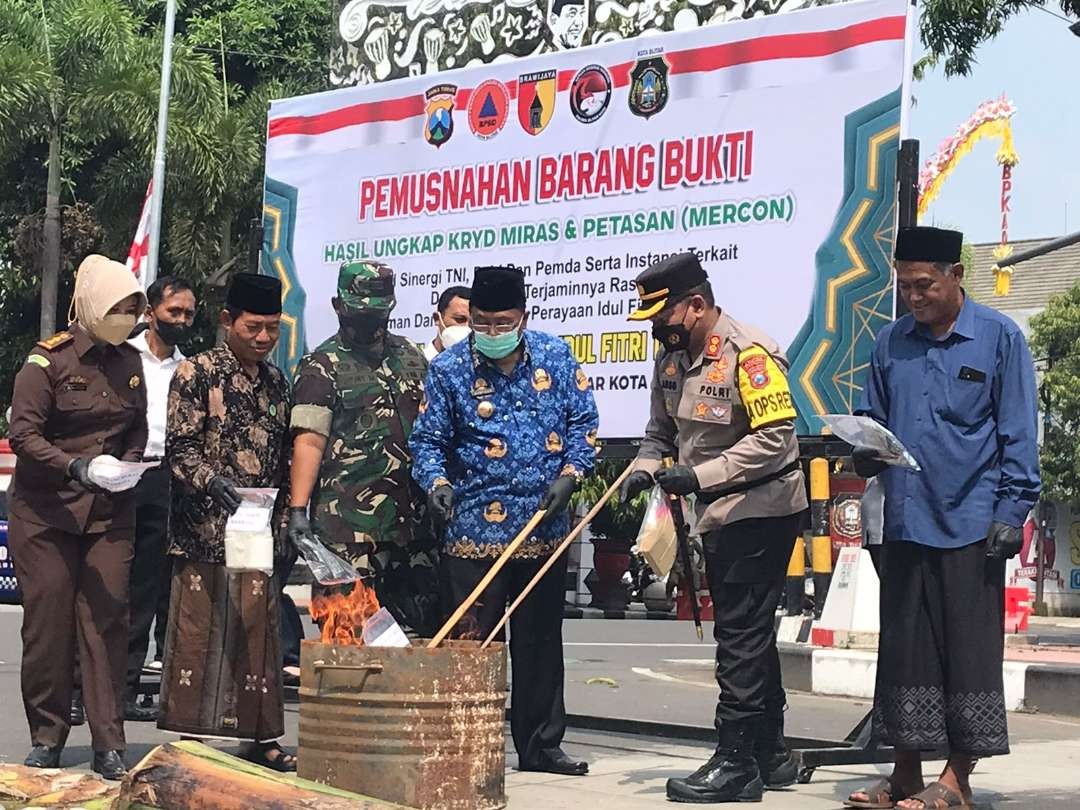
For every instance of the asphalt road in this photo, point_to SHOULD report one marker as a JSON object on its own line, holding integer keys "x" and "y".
{"x": 643, "y": 670}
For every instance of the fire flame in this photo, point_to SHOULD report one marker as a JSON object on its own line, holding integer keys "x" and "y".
{"x": 341, "y": 612}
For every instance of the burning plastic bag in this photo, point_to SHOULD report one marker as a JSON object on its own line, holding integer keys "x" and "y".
{"x": 326, "y": 567}
{"x": 656, "y": 539}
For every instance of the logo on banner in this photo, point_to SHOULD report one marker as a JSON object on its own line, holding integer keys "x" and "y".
{"x": 536, "y": 100}
{"x": 648, "y": 86}
{"x": 439, "y": 114}
{"x": 489, "y": 105}
{"x": 590, "y": 93}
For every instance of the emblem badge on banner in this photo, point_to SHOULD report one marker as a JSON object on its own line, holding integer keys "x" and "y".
{"x": 439, "y": 114}
{"x": 489, "y": 105}
{"x": 536, "y": 100}
{"x": 590, "y": 93}
{"x": 649, "y": 86}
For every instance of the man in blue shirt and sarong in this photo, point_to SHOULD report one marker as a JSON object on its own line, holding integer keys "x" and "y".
{"x": 955, "y": 382}
{"x": 507, "y": 427}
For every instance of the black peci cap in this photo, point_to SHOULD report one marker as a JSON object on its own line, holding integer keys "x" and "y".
{"x": 495, "y": 289}
{"x": 923, "y": 244}
{"x": 255, "y": 293}
{"x": 666, "y": 282}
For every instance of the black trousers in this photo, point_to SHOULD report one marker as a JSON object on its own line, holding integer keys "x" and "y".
{"x": 745, "y": 563}
{"x": 939, "y": 681}
{"x": 538, "y": 713}
{"x": 292, "y": 629}
{"x": 149, "y": 569}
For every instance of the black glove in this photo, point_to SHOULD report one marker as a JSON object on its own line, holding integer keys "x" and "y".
{"x": 1004, "y": 541}
{"x": 636, "y": 483}
{"x": 79, "y": 472}
{"x": 441, "y": 503}
{"x": 866, "y": 462}
{"x": 678, "y": 480}
{"x": 299, "y": 525}
{"x": 223, "y": 492}
{"x": 558, "y": 497}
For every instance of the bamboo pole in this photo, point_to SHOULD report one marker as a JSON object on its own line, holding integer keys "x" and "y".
{"x": 503, "y": 559}
{"x": 563, "y": 546}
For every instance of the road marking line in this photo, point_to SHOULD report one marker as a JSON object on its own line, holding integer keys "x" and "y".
{"x": 699, "y": 645}
{"x": 660, "y": 676}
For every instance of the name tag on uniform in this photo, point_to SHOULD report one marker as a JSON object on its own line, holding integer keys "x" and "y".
{"x": 710, "y": 411}
{"x": 971, "y": 374}
{"x": 75, "y": 383}
{"x": 714, "y": 391}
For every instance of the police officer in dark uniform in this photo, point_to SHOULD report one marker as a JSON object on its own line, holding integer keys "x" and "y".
{"x": 721, "y": 405}
{"x": 79, "y": 396}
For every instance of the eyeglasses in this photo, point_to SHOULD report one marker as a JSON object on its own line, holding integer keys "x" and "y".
{"x": 496, "y": 328}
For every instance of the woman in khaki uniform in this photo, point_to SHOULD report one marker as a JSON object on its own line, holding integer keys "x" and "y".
{"x": 80, "y": 395}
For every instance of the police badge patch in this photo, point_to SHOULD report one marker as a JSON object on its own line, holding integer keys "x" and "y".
{"x": 439, "y": 113}
{"x": 648, "y": 86}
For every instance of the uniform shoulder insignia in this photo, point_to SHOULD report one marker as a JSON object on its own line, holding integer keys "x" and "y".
{"x": 56, "y": 341}
{"x": 763, "y": 388}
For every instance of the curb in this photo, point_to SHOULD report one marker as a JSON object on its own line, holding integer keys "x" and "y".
{"x": 1043, "y": 688}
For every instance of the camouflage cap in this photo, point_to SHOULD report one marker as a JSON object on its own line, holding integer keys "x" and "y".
{"x": 366, "y": 285}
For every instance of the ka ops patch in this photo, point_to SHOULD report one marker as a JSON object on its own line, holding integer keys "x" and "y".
{"x": 764, "y": 389}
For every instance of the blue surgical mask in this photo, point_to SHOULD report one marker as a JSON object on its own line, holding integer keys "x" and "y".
{"x": 496, "y": 347}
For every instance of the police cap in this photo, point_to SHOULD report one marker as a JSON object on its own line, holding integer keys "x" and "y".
{"x": 666, "y": 282}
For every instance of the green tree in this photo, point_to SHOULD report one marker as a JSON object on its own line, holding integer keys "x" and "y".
{"x": 952, "y": 30}
{"x": 1055, "y": 343}
{"x": 80, "y": 70}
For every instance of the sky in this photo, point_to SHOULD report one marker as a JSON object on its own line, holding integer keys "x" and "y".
{"x": 1035, "y": 62}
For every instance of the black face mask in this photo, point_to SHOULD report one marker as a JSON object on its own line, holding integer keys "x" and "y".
{"x": 173, "y": 334}
{"x": 363, "y": 328}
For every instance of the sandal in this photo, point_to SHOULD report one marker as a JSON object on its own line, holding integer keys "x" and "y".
{"x": 882, "y": 796}
{"x": 937, "y": 797}
{"x": 269, "y": 755}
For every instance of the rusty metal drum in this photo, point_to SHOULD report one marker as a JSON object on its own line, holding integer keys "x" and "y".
{"x": 416, "y": 726}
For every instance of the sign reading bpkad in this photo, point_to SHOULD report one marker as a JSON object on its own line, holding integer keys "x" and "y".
{"x": 586, "y": 166}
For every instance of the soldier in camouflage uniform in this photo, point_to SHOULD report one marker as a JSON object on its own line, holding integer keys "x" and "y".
{"x": 355, "y": 400}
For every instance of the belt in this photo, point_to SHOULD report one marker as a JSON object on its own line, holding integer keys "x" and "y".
{"x": 734, "y": 489}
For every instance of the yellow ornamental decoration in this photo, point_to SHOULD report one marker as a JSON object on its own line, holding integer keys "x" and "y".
{"x": 494, "y": 512}
{"x": 554, "y": 443}
{"x": 541, "y": 380}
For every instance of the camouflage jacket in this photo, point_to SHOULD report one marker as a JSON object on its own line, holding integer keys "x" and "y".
{"x": 365, "y": 406}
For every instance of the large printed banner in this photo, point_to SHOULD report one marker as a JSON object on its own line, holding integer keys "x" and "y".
{"x": 380, "y": 40}
{"x": 738, "y": 141}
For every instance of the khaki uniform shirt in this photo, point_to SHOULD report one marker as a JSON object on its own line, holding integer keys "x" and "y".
{"x": 727, "y": 414}
{"x": 75, "y": 399}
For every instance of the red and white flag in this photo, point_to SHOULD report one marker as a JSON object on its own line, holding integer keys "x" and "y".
{"x": 140, "y": 245}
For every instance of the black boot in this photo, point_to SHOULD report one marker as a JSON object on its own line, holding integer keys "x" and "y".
{"x": 110, "y": 764}
{"x": 42, "y": 756}
{"x": 730, "y": 775}
{"x": 775, "y": 762}
{"x": 78, "y": 712}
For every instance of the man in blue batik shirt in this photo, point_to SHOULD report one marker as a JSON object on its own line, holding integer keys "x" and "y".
{"x": 508, "y": 427}
{"x": 954, "y": 381}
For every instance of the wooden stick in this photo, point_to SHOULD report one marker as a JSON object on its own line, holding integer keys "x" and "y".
{"x": 503, "y": 559}
{"x": 563, "y": 546}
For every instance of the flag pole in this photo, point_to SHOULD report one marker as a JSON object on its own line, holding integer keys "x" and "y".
{"x": 159, "y": 148}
